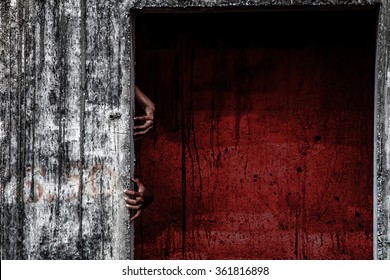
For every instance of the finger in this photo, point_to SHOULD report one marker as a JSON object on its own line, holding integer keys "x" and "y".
{"x": 131, "y": 201}
{"x": 143, "y": 132}
{"x": 135, "y": 180}
{"x": 137, "y": 214}
{"x": 142, "y": 118}
{"x": 134, "y": 207}
{"x": 131, "y": 192}
{"x": 139, "y": 184}
{"x": 144, "y": 126}
{"x": 136, "y": 201}
{"x": 138, "y": 138}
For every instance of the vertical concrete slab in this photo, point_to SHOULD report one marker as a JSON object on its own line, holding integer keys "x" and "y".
{"x": 65, "y": 129}
{"x": 382, "y": 152}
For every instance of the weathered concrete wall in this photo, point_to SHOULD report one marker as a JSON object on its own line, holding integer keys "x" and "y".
{"x": 245, "y": 3}
{"x": 65, "y": 129}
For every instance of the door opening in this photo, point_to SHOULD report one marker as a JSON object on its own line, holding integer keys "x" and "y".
{"x": 263, "y": 142}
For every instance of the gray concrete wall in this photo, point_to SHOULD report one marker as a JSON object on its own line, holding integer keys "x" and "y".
{"x": 382, "y": 151}
{"x": 66, "y": 153}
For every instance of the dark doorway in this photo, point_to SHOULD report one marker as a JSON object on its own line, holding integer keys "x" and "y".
{"x": 263, "y": 144}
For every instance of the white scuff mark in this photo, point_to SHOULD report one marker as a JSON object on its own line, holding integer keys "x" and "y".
{"x": 73, "y": 134}
{"x": 2, "y": 132}
{"x": 10, "y": 191}
{"x": 49, "y": 125}
{"x": 127, "y": 4}
{"x": 13, "y": 3}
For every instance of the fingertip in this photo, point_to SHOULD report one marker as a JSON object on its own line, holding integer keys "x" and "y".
{"x": 129, "y": 192}
{"x": 136, "y": 215}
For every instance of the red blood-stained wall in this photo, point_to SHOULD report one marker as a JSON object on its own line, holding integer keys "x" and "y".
{"x": 263, "y": 143}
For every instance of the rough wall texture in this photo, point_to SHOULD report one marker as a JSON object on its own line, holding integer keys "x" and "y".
{"x": 245, "y": 3}
{"x": 64, "y": 129}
